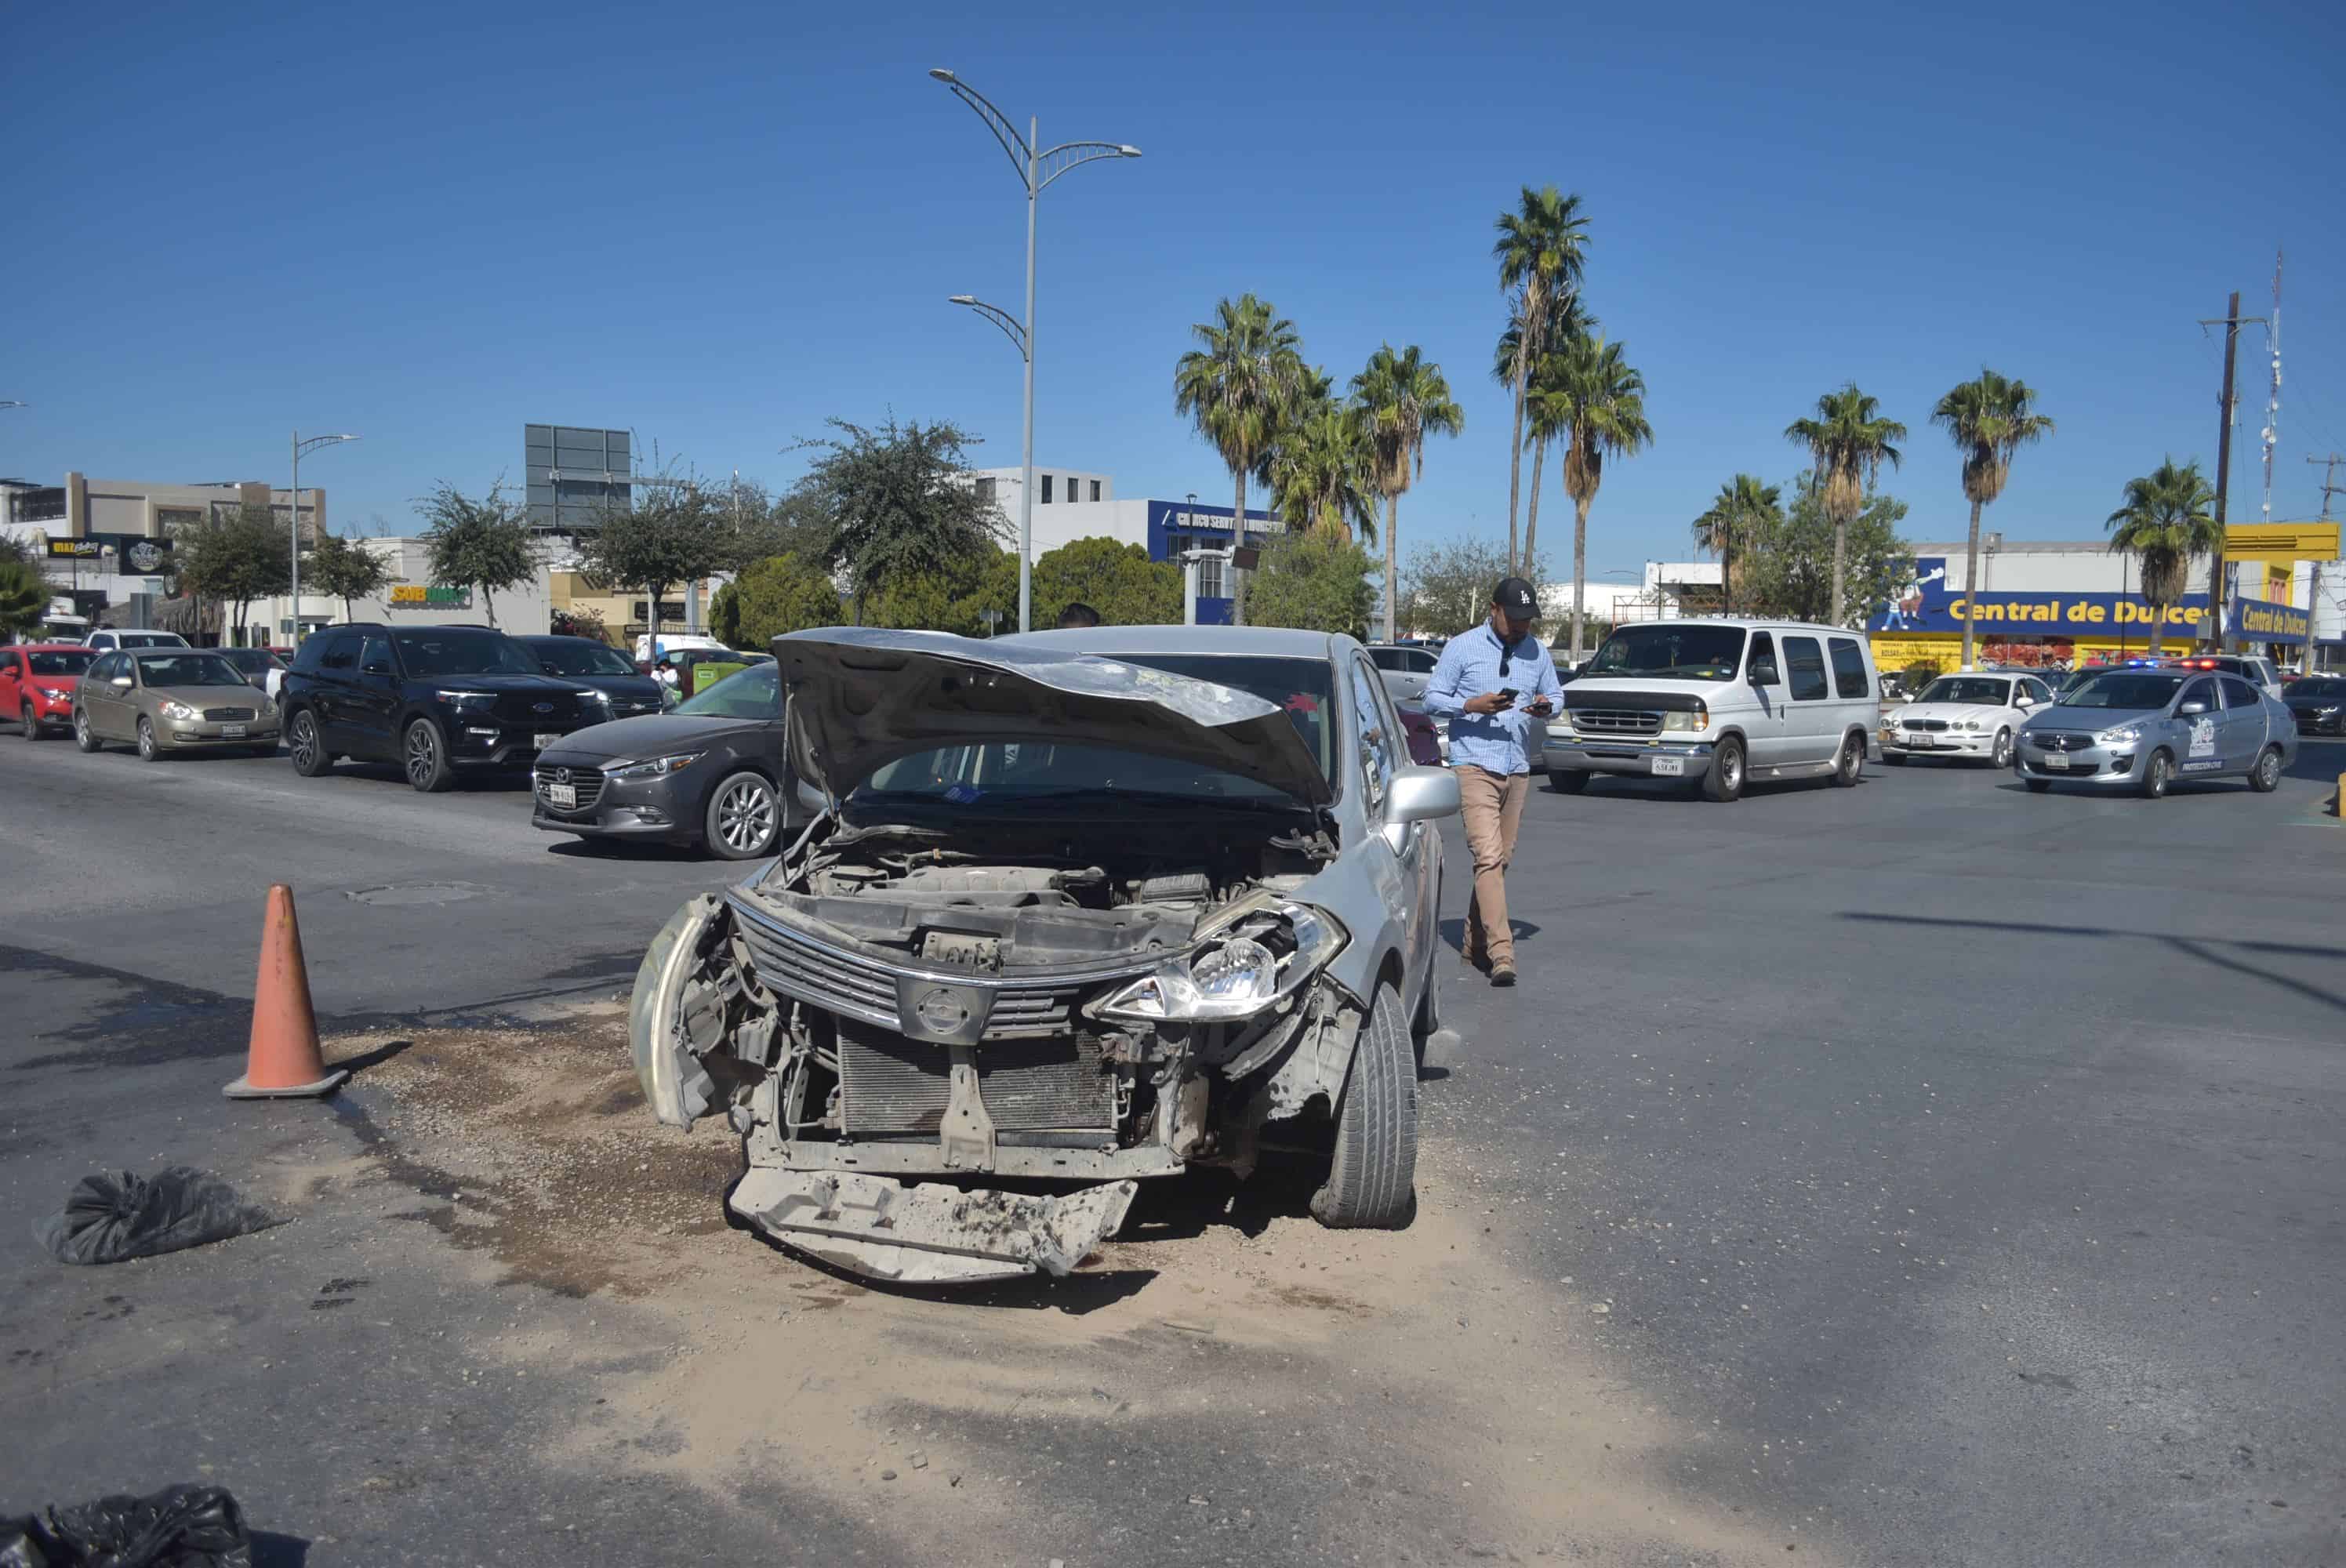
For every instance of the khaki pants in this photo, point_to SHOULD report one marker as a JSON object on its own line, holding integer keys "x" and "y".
{"x": 1492, "y": 804}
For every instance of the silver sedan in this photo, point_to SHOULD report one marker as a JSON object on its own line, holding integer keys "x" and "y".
{"x": 2143, "y": 729}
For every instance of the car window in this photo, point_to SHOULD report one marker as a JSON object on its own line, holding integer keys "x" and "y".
{"x": 1804, "y": 665}
{"x": 1389, "y": 658}
{"x": 1762, "y": 665}
{"x": 578, "y": 657}
{"x": 461, "y": 651}
{"x": 374, "y": 653}
{"x": 753, "y": 693}
{"x": 1421, "y": 662}
{"x": 2238, "y": 693}
{"x": 100, "y": 669}
{"x": 2201, "y": 691}
{"x": 342, "y": 655}
{"x": 1375, "y": 736}
{"x": 2037, "y": 690}
{"x": 1849, "y": 668}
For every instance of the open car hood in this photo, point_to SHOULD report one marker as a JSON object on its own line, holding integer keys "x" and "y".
{"x": 860, "y": 697}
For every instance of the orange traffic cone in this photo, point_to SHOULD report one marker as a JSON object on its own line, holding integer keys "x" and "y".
{"x": 283, "y": 1062}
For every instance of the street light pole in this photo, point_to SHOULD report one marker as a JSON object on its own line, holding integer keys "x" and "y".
{"x": 1030, "y": 158}
{"x": 293, "y": 510}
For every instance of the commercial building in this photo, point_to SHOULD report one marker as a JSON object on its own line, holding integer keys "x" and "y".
{"x": 1080, "y": 504}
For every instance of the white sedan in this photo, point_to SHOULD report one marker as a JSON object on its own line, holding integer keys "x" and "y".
{"x": 1971, "y": 717}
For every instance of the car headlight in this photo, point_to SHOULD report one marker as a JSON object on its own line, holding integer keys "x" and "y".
{"x": 2121, "y": 735}
{"x": 1971, "y": 724}
{"x": 1234, "y": 976}
{"x": 468, "y": 698}
{"x": 179, "y": 710}
{"x": 656, "y": 768}
{"x": 1697, "y": 719}
{"x": 55, "y": 693}
{"x": 596, "y": 694}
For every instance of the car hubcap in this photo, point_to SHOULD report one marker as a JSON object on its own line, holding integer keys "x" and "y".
{"x": 303, "y": 737}
{"x": 81, "y": 728}
{"x": 2003, "y": 751}
{"x": 2270, "y": 768}
{"x": 745, "y": 817}
{"x": 145, "y": 740}
{"x": 1732, "y": 766}
{"x": 423, "y": 755}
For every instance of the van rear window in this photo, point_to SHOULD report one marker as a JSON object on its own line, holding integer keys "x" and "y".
{"x": 1849, "y": 668}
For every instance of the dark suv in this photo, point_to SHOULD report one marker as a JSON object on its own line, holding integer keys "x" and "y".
{"x": 431, "y": 699}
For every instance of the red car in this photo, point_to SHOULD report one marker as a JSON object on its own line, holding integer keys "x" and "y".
{"x": 38, "y": 682}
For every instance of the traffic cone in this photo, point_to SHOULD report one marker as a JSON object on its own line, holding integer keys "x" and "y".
{"x": 283, "y": 1062}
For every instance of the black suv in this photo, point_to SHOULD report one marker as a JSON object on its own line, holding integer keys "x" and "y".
{"x": 431, "y": 699}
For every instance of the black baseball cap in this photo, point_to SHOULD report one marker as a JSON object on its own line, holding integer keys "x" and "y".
{"x": 1516, "y": 598}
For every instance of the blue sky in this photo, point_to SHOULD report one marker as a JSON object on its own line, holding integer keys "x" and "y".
{"x": 719, "y": 225}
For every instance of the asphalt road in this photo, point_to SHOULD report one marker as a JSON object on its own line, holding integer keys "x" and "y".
{"x": 1934, "y": 1173}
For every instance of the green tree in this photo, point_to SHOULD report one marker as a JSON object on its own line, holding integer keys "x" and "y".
{"x": 20, "y": 550}
{"x": 1850, "y": 441}
{"x": 1447, "y": 588}
{"x": 483, "y": 543}
{"x": 1317, "y": 579}
{"x": 235, "y": 559}
{"x": 25, "y": 597}
{"x": 675, "y": 533}
{"x": 1402, "y": 398}
{"x": 2168, "y": 516}
{"x": 1989, "y": 419}
{"x": 346, "y": 570}
{"x": 953, "y": 597}
{"x": 1747, "y": 509}
{"x": 1566, "y": 322}
{"x": 1237, "y": 386}
{"x": 1596, "y": 404}
{"x": 1118, "y": 580}
{"x": 1793, "y": 562}
{"x": 1322, "y": 472}
{"x": 781, "y": 593}
{"x": 897, "y": 499}
{"x": 1541, "y": 250}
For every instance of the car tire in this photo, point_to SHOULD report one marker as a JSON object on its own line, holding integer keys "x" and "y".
{"x": 29, "y": 720}
{"x": 2157, "y": 773}
{"x": 1723, "y": 781}
{"x": 424, "y": 757}
{"x": 2038, "y": 786}
{"x": 1372, "y": 1181}
{"x": 83, "y": 736}
{"x": 1563, "y": 783}
{"x": 1849, "y": 766}
{"x": 2265, "y": 777}
{"x": 149, "y": 751}
{"x": 2001, "y": 757}
{"x": 743, "y": 818}
{"x": 305, "y": 746}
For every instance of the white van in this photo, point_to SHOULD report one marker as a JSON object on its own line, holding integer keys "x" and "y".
{"x": 1718, "y": 703}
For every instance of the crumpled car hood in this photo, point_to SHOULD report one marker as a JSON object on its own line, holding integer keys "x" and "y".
{"x": 862, "y": 697}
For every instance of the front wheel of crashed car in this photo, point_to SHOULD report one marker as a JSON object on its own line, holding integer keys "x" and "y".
{"x": 665, "y": 1043}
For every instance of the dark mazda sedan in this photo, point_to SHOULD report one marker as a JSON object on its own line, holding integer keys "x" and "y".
{"x": 710, "y": 772}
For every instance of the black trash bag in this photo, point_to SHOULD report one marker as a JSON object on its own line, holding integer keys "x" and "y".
{"x": 110, "y": 1218}
{"x": 177, "y": 1527}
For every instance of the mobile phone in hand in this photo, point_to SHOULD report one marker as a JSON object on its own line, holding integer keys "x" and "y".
{"x": 1507, "y": 695}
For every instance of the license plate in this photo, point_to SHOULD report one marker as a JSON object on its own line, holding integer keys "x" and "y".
{"x": 1669, "y": 766}
{"x": 545, "y": 740}
{"x": 563, "y": 795}
{"x": 1918, "y": 742}
{"x": 231, "y": 730}
{"x": 2056, "y": 763}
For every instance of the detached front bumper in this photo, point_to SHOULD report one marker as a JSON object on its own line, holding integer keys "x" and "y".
{"x": 1637, "y": 758}
{"x": 929, "y": 1232}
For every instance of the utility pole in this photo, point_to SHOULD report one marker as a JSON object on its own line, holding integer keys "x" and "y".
{"x": 2330, "y": 487}
{"x": 2231, "y": 321}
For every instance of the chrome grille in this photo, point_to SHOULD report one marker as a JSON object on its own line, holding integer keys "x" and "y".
{"x": 891, "y": 1085}
{"x": 2061, "y": 740}
{"x": 588, "y": 781}
{"x": 1616, "y": 721}
{"x": 1039, "y": 1011}
{"x": 839, "y": 982}
{"x": 228, "y": 715}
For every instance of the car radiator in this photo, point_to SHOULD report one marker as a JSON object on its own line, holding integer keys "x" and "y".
{"x": 893, "y": 1087}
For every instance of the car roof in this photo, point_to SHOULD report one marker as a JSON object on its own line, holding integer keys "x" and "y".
{"x": 172, "y": 652}
{"x": 556, "y": 638}
{"x": 1274, "y": 642}
{"x": 49, "y": 647}
{"x": 1746, "y": 624}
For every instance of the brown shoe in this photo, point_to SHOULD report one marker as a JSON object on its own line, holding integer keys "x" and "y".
{"x": 1502, "y": 975}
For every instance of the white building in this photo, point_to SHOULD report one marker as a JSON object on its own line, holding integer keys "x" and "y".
{"x": 412, "y": 599}
{"x": 1078, "y": 504}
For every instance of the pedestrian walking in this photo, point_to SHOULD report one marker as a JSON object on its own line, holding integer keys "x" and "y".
{"x": 1491, "y": 683}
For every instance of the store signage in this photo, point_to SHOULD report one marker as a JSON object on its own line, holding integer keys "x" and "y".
{"x": 82, "y": 549}
{"x": 2282, "y": 542}
{"x": 419, "y": 596}
{"x": 2262, "y": 621}
{"x": 139, "y": 555}
{"x": 1926, "y": 606}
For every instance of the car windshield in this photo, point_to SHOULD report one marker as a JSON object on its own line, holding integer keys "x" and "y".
{"x": 1670, "y": 653}
{"x": 2135, "y": 690}
{"x": 2303, "y": 688}
{"x": 1030, "y": 771}
{"x": 189, "y": 669}
{"x": 561, "y": 657}
{"x": 246, "y": 659}
{"x": 437, "y": 652}
{"x": 61, "y": 661}
{"x": 753, "y": 693}
{"x": 153, "y": 640}
{"x": 1969, "y": 689}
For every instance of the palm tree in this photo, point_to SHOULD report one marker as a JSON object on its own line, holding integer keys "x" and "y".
{"x": 1540, "y": 253}
{"x": 1235, "y": 385}
{"x": 1402, "y": 399}
{"x": 1324, "y": 474}
{"x": 1990, "y": 419}
{"x": 1745, "y": 509}
{"x": 1565, "y": 321}
{"x": 1597, "y": 403}
{"x": 2169, "y": 517}
{"x": 1850, "y": 441}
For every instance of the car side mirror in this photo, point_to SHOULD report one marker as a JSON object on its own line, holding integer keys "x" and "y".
{"x": 2026, "y": 700}
{"x": 1421, "y": 795}
{"x": 377, "y": 667}
{"x": 2189, "y": 709}
{"x": 1763, "y": 673}
{"x": 120, "y": 683}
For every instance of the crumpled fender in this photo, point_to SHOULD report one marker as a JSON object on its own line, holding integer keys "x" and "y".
{"x": 677, "y": 1088}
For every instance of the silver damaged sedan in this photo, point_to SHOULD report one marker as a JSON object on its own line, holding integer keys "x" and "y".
{"x": 1076, "y": 908}
{"x": 2142, "y": 730}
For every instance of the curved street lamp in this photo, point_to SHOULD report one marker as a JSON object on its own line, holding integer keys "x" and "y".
{"x": 1037, "y": 166}
{"x": 302, "y": 445}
